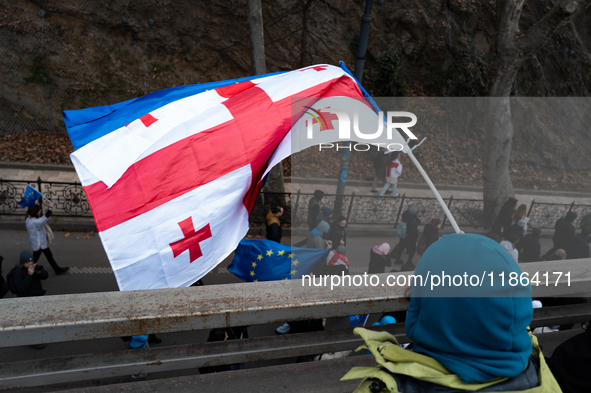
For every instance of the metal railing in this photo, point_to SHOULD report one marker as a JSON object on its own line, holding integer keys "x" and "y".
{"x": 50, "y": 319}
{"x": 70, "y": 201}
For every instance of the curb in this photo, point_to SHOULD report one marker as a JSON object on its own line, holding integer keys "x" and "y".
{"x": 362, "y": 183}
{"x": 37, "y": 167}
{"x": 446, "y": 187}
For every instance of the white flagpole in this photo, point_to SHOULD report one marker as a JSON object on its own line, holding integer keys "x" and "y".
{"x": 451, "y": 219}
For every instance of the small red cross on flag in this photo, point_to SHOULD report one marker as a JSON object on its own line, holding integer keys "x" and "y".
{"x": 316, "y": 68}
{"x": 191, "y": 240}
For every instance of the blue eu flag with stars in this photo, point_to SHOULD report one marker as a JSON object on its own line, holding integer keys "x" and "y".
{"x": 266, "y": 260}
{"x": 30, "y": 197}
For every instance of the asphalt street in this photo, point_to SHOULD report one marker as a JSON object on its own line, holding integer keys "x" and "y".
{"x": 90, "y": 272}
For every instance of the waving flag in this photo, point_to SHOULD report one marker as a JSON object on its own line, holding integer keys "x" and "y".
{"x": 171, "y": 177}
{"x": 30, "y": 197}
{"x": 266, "y": 260}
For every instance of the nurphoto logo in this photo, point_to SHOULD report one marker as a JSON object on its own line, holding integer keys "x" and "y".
{"x": 324, "y": 118}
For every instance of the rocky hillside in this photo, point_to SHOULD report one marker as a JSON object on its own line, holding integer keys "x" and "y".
{"x": 70, "y": 54}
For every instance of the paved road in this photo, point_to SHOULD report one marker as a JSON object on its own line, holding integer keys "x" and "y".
{"x": 90, "y": 272}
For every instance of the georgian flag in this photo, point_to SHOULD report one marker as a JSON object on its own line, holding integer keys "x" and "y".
{"x": 171, "y": 177}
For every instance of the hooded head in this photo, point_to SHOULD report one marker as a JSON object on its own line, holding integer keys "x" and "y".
{"x": 571, "y": 216}
{"x": 413, "y": 210}
{"x": 341, "y": 250}
{"x": 318, "y": 194}
{"x": 384, "y": 249}
{"x": 323, "y": 226}
{"x": 511, "y": 202}
{"x": 25, "y": 257}
{"x": 478, "y": 332}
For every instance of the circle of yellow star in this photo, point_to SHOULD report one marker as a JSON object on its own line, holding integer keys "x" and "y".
{"x": 269, "y": 253}
{"x": 252, "y": 273}
{"x": 291, "y": 255}
{"x": 260, "y": 257}
{"x": 256, "y": 281}
{"x": 254, "y": 264}
{"x": 295, "y": 262}
{"x": 293, "y": 272}
{"x": 280, "y": 253}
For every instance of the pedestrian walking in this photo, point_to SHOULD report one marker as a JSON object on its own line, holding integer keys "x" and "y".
{"x": 564, "y": 231}
{"x": 393, "y": 172}
{"x": 380, "y": 162}
{"x": 378, "y": 259}
{"x": 530, "y": 251}
{"x": 408, "y": 238}
{"x": 314, "y": 208}
{"x": 505, "y": 217}
{"x": 38, "y": 236}
{"x": 273, "y": 228}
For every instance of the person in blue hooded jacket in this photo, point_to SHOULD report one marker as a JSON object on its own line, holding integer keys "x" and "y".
{"x": 466, "y": 337}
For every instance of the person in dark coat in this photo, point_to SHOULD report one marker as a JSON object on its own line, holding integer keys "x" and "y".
{"x": 378, "y": 259}
{"x": 3, "y": 284}
{"x": 337, "y": 233}
{"x": 274, "y": 231}
{"x": 324, "y": 215}
{"x": 409, "y": 243}
{"x": 314, "y": 209}
{"x": 380, "y": 162}
{"x": 28, "y": 278}
{"x": 431, "y": 232}
{"x": 496, "y": 233}
{"x": 564, "y": 231}
{"x": 214, "y": 336}
{"x": 505, "y": 217}
{"x": 579, "y": 248}
{"x": 570, "y": 363}
{"x": 530, "y": 251}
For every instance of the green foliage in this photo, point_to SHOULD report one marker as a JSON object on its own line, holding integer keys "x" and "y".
{"x": 388, "y": 82}
{"x": 39, "y": 69}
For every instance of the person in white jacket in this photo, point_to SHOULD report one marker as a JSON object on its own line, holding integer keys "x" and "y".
{"x": 37, "y": 232}
{"x": 393, "y": 172}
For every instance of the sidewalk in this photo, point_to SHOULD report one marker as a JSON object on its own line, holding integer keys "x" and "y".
{"x": 65, "y": 173}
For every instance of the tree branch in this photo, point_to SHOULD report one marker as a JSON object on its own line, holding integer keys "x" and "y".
{"x": 507, "y": 14}
{"x": 540, "y": 33}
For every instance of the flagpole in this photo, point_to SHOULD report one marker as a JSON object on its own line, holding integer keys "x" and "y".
{"x": 451, "y": 219}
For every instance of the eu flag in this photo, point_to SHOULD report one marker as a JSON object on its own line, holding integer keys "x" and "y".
{"x": 30, "y": 197}
{"x": 266, "y": 260}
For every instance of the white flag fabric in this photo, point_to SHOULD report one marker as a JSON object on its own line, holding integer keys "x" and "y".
{"x": 171, "y": 177}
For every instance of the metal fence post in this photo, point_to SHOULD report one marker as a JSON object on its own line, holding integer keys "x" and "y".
{"x": 400, "y": 209}
{"x": 350, "y": 206}
{"x": 39, "y": 189}
{"x": 451, "y": 198}
{"x": 533, "y": 202}
{"x": 295, "y": 213}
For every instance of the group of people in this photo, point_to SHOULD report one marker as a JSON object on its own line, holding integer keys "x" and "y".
{"x": 381, "y": 256}
{"x": 510, "y": 230}
{"x": 24, "y": 280}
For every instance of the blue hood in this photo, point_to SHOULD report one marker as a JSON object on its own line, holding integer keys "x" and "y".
{"x": 478, "y": 333}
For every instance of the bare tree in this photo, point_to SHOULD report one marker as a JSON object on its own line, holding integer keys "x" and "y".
{"x": 306, "y": 10}
{"x": 512, "y": 48}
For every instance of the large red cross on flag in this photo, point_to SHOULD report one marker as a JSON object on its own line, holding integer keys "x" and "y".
{"x": 172, "y": 177}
